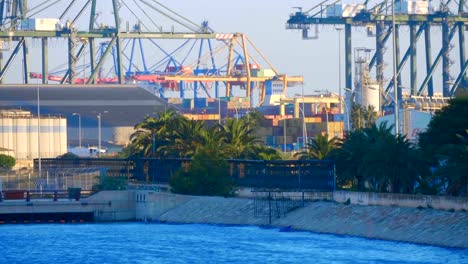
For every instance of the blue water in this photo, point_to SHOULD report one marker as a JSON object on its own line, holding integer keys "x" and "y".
{"x": 162, "y": 243}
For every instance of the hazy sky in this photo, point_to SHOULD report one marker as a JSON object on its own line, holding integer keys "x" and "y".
{"x": 264, "y": 23}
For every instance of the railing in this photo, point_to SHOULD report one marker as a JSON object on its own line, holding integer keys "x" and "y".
{"x": 276, "y": 204}
{"x": 54, "y": 195}
{"x": 281, "y": 174}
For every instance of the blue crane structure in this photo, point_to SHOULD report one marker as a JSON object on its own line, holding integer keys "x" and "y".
{"x": 418, "y": 16}
{"x": 201, "y": 60}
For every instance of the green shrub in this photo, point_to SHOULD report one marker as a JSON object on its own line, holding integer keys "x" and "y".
{"x": 111, "y": 183}
{"x": 206, "y": 175}
{"x": 68, "y": 155}
{"x": 7, "y": 162}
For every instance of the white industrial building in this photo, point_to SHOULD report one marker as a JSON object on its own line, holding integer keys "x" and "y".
{"x": 19, "y": 135}
{"x": 411, "y": 122}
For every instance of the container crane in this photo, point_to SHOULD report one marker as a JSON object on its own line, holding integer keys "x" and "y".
{"x": 418, "y": 16}
{"x": 19, "y": 24}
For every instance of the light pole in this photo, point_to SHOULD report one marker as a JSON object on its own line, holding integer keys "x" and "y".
{"x": 99, "y": 132}
{"x": 283, "y": 102}
{"x": 326, "y": 118}
{"x": 237, "y": 113}
{"x": 39, "y": 132}
{"x": 326, "y": 110}
{"x": 79, "y": 128}
{"x": 339, "y": 63}
{"x": 395, "y": 79}
{"x": 304, "y": 128}
{"x": 346, "y": 110}
{"x": 219, "y": 110}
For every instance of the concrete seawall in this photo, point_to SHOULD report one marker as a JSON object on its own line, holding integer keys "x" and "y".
{"x": 424, "y": 226}
{"x": 420, "y": 224}
{"x": 403, "y": 200}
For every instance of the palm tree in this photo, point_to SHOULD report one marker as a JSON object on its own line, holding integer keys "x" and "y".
{"x": 255, "y": 118}
{"x": 387, "y": 163}
{"x": 238, "y": 138}
{"x": 267, "y": 153}
{"x": 143, "y": 138}
{"x": 186, "y": 139}
{"x": 319, "y": 148}
{"x": 349, "y": 159}
{"x": 153, "y": 133}
{"x": 393, "y": 164}
{"x": 370, "y": 116}
{"x": 452, "y": 172}
{"x": 357, "y": 116}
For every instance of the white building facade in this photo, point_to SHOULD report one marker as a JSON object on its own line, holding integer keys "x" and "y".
{"x": 21, "y": 137}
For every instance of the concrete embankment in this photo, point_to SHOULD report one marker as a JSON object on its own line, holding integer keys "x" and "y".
{"x": 416, "y": 224}
{"x": 424, "y": 226}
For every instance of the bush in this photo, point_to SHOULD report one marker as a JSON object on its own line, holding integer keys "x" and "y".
{"x": 207, "y": 175}
{"x": 68, "y": 155}
{"x": 111, "y": 183}
{"x": 7, "y": 162}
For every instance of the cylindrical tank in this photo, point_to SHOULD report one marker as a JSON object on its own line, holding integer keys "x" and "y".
{"x": 371, "y": 96}
{"x": 19, "y": 133}
{"x": 122, "y": 135}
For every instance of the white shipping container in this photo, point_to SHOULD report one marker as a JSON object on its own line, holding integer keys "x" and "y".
{"x": 418, "y": 7}
{"x": 40, "y": 24}
{"x": 344, "y": 10}
{"x": 352, "y": 10}
{"x": 412, "y": 7}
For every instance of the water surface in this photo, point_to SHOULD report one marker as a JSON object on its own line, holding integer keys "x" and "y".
{"x": 163, "y": 243}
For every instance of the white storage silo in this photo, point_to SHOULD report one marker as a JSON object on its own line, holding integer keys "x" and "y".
{"x": 371, "y": 96}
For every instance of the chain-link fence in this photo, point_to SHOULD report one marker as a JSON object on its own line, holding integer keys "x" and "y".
{"x": 53, "y": 179}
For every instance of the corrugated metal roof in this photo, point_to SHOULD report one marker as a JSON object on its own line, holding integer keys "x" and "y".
{"x": 126, "y": 105}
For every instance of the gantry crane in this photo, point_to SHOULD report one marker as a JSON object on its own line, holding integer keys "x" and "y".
{"x": 418, "y": 16}
{"x": 18, "y": 26}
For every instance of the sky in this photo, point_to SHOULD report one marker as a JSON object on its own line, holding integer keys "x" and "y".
{"x": 264, "y": 23}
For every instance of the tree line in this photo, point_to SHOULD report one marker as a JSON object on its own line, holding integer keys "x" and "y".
{"x": 372, "y": 158}
{"x": 368, "y": 158}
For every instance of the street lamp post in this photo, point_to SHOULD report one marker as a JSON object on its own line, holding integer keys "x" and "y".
{"x": 79, "y": 128}
{"x": 237, "y": 113}
{"x": 346, "y": 109}
{"x": 304, "y": 128}
{"x": 339, "y": 63}
{"x": 39, "y": 133}
{"x": 326, "y": 110}
{"x": 99, "y": 131}
{"x": 219, "y": 110}
{"x": 326, "y": 119}
{"x": 395, "y": 79}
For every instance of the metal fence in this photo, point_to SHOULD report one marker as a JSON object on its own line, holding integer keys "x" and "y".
{"x": 276, "y": 204}
{"x": 51, "y": 179}
{"x": 283, "y": 174}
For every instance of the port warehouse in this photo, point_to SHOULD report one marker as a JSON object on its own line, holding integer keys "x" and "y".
{"x": 280, "y": 174}
{"x": 121, "y": 106}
